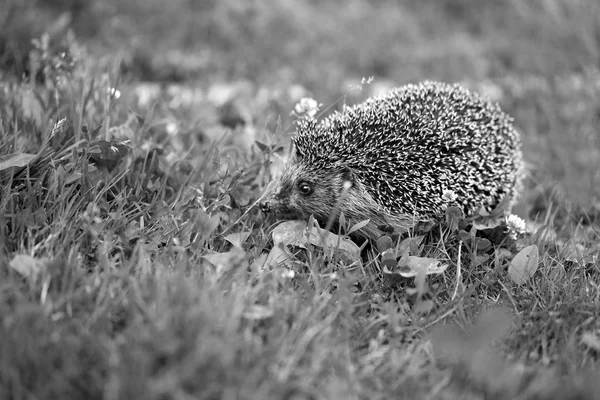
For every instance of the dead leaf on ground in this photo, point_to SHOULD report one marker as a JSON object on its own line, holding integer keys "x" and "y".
{"x": 411, "y": 266}
{"x": 276, "y": 256}
{"x": 296, "y": 233}
{"x": 237, "y": 239}
{"x": 524, "y": 265}
{"x": 18, "y": 160}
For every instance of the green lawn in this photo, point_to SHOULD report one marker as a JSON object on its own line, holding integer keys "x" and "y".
{"x": 136, "y": 137}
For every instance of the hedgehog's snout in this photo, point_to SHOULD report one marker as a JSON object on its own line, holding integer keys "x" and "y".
{"x": 265, "y": 206}
{"x": 268, "y": 203}
{"x": 275, "y": 202}
{"x": 273, "y": 198}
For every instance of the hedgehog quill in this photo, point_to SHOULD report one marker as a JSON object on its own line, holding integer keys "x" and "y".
{"x": 393, "y": 159}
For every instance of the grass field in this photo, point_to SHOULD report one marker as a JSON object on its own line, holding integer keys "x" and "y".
{"x": 137, "y": 135}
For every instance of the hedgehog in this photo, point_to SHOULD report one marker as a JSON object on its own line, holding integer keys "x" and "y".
{"x": 400, "y": 159}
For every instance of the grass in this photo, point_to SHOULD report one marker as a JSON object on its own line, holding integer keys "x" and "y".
{"x": 136, "y": 272}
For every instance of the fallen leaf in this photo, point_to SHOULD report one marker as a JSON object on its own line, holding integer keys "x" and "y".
{"x": 277, "y": 256}
{"x": 237, "y": 239}
{"x": 411, "y": 266}
{"x": 483, "y": 224}
{"x": 17, "y": 160}
{"x": 297, "y": 233}
{"x": 524, "y": 265}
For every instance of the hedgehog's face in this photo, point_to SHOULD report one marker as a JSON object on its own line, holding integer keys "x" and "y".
{"x": 303, "y": 190}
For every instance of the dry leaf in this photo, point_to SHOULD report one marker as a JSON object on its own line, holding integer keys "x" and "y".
{"x": 524, "y": 265}
{"x": 483, "y": 224}
{"x": 277, "y": 256}
{"x": 296, "y": 233}
{"x": 18, "y": 160}
{"x": 410, "y": 266}
{"x": 237, "y": 239}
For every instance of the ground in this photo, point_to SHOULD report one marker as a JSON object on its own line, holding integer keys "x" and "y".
{"x": 136, "y": 137}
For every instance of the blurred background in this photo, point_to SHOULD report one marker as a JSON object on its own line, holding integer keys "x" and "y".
{"x": 226, "y": 63}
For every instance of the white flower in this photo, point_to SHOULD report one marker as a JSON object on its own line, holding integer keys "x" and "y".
{"x": 307, "y": 106}
{"x": 449, "y": 196}
{"x": 516, "y": 225}
{"x": 367, "y": 80}
{"x": 115, "y": 93}
{"x": 171, "y": 128}
{"x": 288, "y": 274}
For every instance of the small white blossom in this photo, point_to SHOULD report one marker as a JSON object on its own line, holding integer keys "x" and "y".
{"x": 115, "y": 93}
{"x": 516, "y": 225}
{"x": 367, "y": 80}
{"x": 288, "y": 274}
{"x": 449, "y": 196}
{"x": 171, "y": 128}
{"x": 307, "y": 106}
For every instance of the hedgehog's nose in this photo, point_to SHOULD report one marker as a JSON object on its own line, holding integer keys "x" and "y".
{"x": 264, "y": 206}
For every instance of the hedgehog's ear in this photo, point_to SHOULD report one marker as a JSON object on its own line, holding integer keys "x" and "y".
{"x": 296, "y": 153}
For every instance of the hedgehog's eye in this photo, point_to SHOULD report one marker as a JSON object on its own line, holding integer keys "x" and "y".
{"x": 305, "y": 188}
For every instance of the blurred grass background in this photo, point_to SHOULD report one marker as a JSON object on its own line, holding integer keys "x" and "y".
{"x": 318, "y": 42}
{"x": 129, "y": 313}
